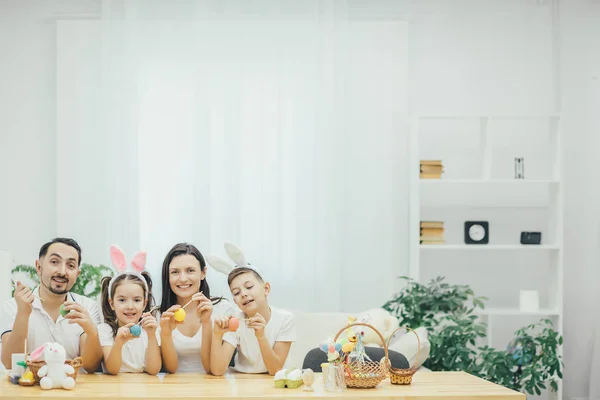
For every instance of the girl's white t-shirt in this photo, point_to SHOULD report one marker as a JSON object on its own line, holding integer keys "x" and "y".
{"x": 280, "y": 328}
{"x": 133, "y": 354}
{"x": 189, "y": 348}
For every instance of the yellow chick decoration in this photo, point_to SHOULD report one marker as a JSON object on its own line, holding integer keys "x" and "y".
{"x": 27, "y": 379}
{"x": 349, "y": 342}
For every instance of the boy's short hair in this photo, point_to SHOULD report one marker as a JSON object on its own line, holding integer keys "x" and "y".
{"x": 242, "y": 270}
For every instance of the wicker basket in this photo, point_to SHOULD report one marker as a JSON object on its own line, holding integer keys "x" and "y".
{"x": 400, "y": 376}
{"x": 367, "y": 374}
{"x": 34, "y": 366}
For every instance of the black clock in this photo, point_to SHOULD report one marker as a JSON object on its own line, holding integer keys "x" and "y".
{"x": 477, "y": 232}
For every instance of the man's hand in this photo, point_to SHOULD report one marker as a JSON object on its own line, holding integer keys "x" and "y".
{"x": 24, "y": 298}
{"x": 79, "y": 315}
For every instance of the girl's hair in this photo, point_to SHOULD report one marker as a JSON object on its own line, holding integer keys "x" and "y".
{"x": 109, "y": 314}
{"x": 168, "y": 296}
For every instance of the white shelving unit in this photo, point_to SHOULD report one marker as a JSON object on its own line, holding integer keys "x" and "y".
{"x": 490, "y": 247}
{"x": 552, "y": 247}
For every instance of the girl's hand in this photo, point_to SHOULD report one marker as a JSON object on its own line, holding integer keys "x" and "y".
{"x": 123, "y": 334}
{"x": 221, "y": 325}
{"x": 149, "y": 323}
{"x": 167, "y": 319}
{"x": 204, "y": 307}
{"x": 257, "y": 323}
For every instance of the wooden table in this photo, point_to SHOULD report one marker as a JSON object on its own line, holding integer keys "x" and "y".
{"x": 425, "y": 386}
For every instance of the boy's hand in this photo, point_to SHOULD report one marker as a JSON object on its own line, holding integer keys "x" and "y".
{"x": 149, "y": 323}
{"x": 203, "y": 308}
{"x": 123, "y": 334}
{"x": 24, "y": 298}
{"x": 257, "y": 323}
{"x": 167, "y": 320}
{"x": 221, "y": 325}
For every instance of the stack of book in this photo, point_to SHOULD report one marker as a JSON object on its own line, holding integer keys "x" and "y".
{"x": 432, "y": 232}
{"x": 431, "y": 169}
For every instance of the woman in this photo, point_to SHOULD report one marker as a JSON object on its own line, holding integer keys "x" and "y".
{"x": 185, "y": 345}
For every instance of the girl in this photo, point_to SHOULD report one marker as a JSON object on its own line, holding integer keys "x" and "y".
{"x": 126, "y": 298}
{"x": 185, "y": 346}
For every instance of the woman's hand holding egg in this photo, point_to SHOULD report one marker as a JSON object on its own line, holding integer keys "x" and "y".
{"x": 168, "y": 322}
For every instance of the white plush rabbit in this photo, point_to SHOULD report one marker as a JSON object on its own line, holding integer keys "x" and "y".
{"x": 54, "y": 373}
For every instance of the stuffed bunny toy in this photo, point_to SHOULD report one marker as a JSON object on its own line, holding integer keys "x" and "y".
{"x": 54, "y": 373}
{"x": 382, "y": 320}
{"x": 236, "y": 255}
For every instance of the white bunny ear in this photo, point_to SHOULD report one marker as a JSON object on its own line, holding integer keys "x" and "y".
{"x": 219, "y": 264}
{"x": 236, "y": 254}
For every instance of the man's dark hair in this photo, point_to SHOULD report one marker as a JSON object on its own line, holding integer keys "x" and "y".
{"x": 67, "y": 241}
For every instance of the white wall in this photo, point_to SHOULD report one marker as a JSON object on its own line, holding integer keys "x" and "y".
{"x": 27, "y": 148}
{"x": 580, "y": 75}
{"x": 467, "y": 57}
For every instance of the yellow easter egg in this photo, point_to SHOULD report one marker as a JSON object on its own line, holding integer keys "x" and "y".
{"x": 179, "y": 315}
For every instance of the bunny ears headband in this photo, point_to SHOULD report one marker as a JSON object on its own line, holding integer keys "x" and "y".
{"x": 119, "y": 261}
{"x": 237, "y": 256}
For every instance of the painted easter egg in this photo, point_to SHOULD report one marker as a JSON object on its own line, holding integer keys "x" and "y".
{"x": 63, "y": 311}
{"x": 234, "y": 324}
{"x": 179, "y": 315}
{"x": 136, "y": 330}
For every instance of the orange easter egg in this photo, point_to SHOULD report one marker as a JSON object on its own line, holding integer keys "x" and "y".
{"x": 179, "y": 315}
{"x": 234, "y": 324}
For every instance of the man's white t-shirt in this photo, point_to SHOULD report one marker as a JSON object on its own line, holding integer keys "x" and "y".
{"x": 43, "y": 329}
{"x": 280, "y": 328}
{"x": 133, "y": 353}
{"x": 189, "y": 348}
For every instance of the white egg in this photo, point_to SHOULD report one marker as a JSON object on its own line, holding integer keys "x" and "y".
{"x": 295, "y": 375}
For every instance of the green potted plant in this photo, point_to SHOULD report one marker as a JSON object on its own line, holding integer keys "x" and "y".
{"x": 88, "y": 282}
{"x": 448, "y": 312}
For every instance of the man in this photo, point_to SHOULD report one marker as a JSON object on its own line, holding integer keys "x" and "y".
{"x": 36, "y": 315}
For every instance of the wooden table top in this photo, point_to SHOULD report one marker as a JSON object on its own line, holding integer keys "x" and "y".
{"x": 425, "y": 386}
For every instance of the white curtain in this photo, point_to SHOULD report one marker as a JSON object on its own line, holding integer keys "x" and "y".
{"x": 280, "y": 126}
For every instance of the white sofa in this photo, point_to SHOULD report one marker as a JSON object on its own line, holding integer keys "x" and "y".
{"x": 313, "y": 329}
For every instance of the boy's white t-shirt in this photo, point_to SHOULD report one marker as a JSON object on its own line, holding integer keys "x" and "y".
{"x": 133, "y": 354}
{"x": 188, "y": 348}
{"x": 280, "y": 328}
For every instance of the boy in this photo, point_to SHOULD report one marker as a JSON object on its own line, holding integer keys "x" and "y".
{"x": 265, "y": 334}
